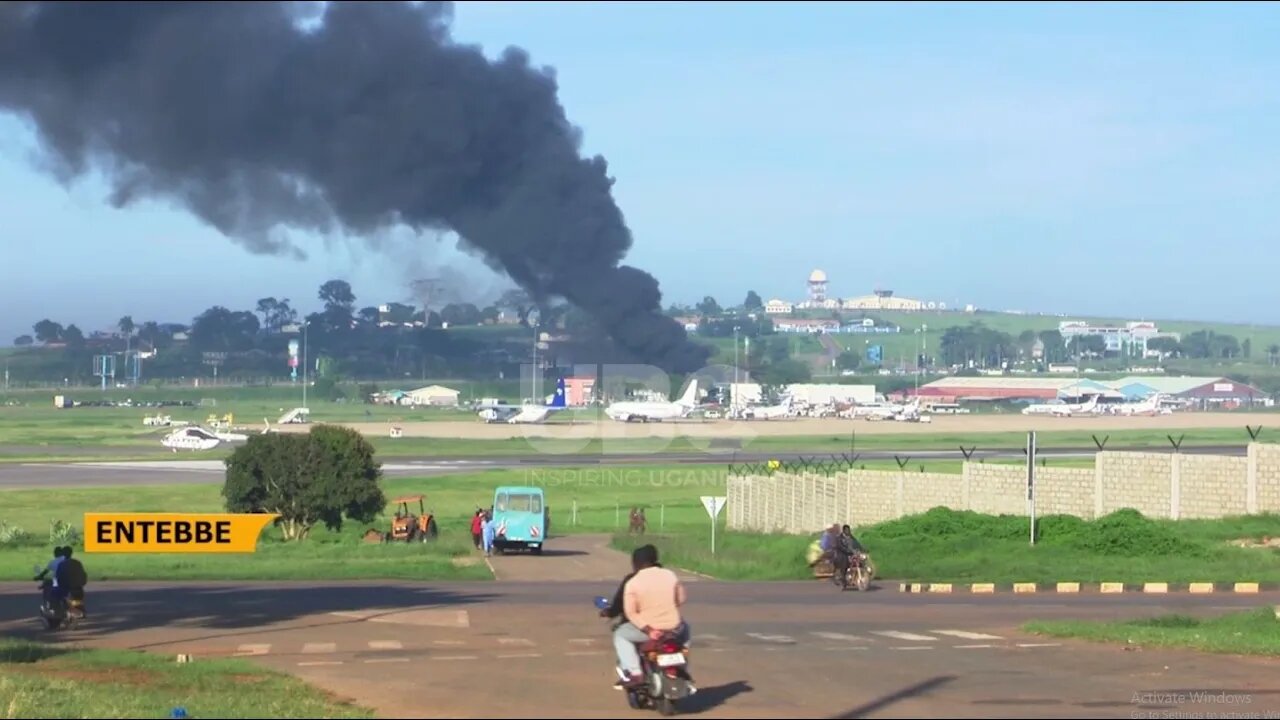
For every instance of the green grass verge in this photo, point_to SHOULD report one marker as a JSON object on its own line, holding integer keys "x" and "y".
{"x": 42, "y": 681}
{"x": 944, "y": 545}
{"x": 1252, "y": 632}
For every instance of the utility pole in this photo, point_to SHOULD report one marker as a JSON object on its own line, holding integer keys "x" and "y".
{"x": 305, "y": 325}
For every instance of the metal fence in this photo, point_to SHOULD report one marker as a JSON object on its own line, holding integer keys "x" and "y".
{"x": 828, "y": 465}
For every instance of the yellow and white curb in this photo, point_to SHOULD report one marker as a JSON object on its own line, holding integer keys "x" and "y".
{"x": 1150, "y": 588}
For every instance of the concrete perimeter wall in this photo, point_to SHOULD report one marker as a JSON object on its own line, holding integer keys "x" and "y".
{"x": 1159, "y": 485}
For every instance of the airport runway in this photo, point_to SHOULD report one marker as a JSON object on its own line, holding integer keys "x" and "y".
{"x": 797, "y": 649}
{"x": 186, "y": 472}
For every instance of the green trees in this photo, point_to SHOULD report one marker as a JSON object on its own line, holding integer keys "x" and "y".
{"x": 323, "y": 476}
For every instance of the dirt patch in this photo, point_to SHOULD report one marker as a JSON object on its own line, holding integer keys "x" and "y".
{"x": 464, "y": 561}
{"x": 1265, "y": 542}
{"x": 112, "y": 676}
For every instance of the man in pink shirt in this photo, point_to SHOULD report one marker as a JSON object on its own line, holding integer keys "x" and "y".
{"x": 651, "y": 601}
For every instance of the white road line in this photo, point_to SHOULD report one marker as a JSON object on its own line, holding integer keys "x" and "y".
{"x": 312, "y": 648}
{"x": 581, "y": 653}
{"x": 456, "y": 657}
{"x": 385, "y": 645}
{"x": 521, "y": 655}
{"x": 1031, "y": 645}
{"x": 522, "y": 642}
{"x": 912, "y": 647}
{"x": 320, "y": 662}
{"x": 968, "y": 635}
{"x": 581, "y": 641}
{"x": 446, "y": 642}
{"x": 971, "y": 647}
{"x": 785, "y": 639}
{"x": 709, "y": 636}
{"x": 839, "y": 636}
{"x": 841, "y": 648}
{"x": 387, "y": 660}
{"x": 904, "y": 635}
{"x": 253, "y": 649}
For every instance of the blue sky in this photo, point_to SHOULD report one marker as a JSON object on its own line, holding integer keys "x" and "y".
{"x": 1093, "y": 159}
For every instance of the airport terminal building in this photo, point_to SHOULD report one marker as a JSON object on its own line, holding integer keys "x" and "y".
{"x": 1197, "y": 393}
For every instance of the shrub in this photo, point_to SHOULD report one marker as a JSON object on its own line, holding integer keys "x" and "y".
{"x": 12, "y": 534}
{"x": 1127, "y": 533}
{"x": 61, "y": 533}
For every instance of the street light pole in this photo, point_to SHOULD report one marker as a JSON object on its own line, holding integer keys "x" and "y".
{"x": 305, "y": 326}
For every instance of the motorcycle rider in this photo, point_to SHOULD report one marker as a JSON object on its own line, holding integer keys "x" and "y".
{"x": 846, "y": 546}
{"x": 651, "y": 600}
{"x": 72, "y": 576}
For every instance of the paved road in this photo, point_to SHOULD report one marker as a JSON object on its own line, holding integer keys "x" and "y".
{"x": 181, "y": 472}
{"x": 530, "y": 649}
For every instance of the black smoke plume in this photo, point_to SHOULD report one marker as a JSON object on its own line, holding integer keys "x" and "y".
{"x": 255, "y": 119}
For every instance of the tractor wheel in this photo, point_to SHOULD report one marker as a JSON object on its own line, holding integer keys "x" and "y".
{"x": 432, "y": 531}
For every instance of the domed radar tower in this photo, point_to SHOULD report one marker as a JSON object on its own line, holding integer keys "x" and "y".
{"x": 817, "y": 286}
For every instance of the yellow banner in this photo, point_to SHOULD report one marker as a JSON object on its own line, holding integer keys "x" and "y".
{"x": 173, "y": 532}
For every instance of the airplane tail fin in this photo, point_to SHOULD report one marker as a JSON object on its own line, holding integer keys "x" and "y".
{"x": 690, "y": 397}
{"x": 558, "y": 400}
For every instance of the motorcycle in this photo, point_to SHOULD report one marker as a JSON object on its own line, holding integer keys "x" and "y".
{"x": 858, "y": 574}
{"x": 58, "y": 613}
{"x": 664, "y": 665}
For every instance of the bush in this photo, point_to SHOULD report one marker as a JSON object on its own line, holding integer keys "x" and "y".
{"x": 1123, "y": 533}
{"x": 1127, "y": 533}
{"x": 61, "y": 533}
{"x": 12, "y": 534}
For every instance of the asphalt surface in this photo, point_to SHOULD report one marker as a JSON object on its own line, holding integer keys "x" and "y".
{"x": 804, "y": 649}
{"x": 180, "y": 472}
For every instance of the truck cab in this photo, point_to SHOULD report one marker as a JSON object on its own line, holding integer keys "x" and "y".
{"x": 520, "y": 519}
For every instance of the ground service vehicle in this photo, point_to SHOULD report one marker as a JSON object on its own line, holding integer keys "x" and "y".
{"x": 407, "y": 527}
{"x": 519, "y": 518}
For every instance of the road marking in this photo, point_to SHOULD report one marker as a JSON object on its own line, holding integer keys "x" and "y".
{"x": 967, "y": 635}
{"x": 521, "y": 655}
{"x": 253, "y": 649}
{"x": 1031, "y": 645}
{"x": 385, "y": 645}
{"x": 581, "y": 641}
{"x": 709, "y": 636}
{"x": 970, "y": 647}
{"x": 904, "y": 635}
{"x": 312, "y": 648}
{"x": 387, "y": 660}
{"x": 839, "y": 636}
{"x": 456, "y": 657}
{"x": 912, "y": 647}
{"x": 522, "y": 642}
{"x": 585, "y": 652}
{"x": 320, "y": 662}
{"x": 842, "y": 648}
{"x": 446, "y": 642}
{"x": 784, "y": 639}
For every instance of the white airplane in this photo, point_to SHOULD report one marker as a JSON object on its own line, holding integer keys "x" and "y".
{"x": 768, "y": 412}
{"x": 644, "y": 411}
{"x": 194, "y": 437}
{"x": 1088, "y": 407}
{"x": 1150, "y": 406}
{"x": 529, "y": 413}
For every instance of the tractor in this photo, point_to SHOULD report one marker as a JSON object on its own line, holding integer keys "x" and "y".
{"x": 409, "y": 527}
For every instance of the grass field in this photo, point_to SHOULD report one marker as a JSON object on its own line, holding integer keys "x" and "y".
{"x": 40, "y": 681}
{"x": 579, "y": 499}
{"x": 949, "y": 546}
{"x": 938, "y": 546}
{"x": 1252, "y": 632}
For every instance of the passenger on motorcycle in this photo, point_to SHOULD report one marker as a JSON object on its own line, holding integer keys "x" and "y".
{"x": 72, "y": 577}
{"x": 54, "y": 591}
{"x": 846, "y": 547}
{"x": 651, "y": 600}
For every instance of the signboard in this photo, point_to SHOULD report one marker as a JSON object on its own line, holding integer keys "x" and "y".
{"x": 1223, "y": 387}
{"x": 714, "y": 504}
